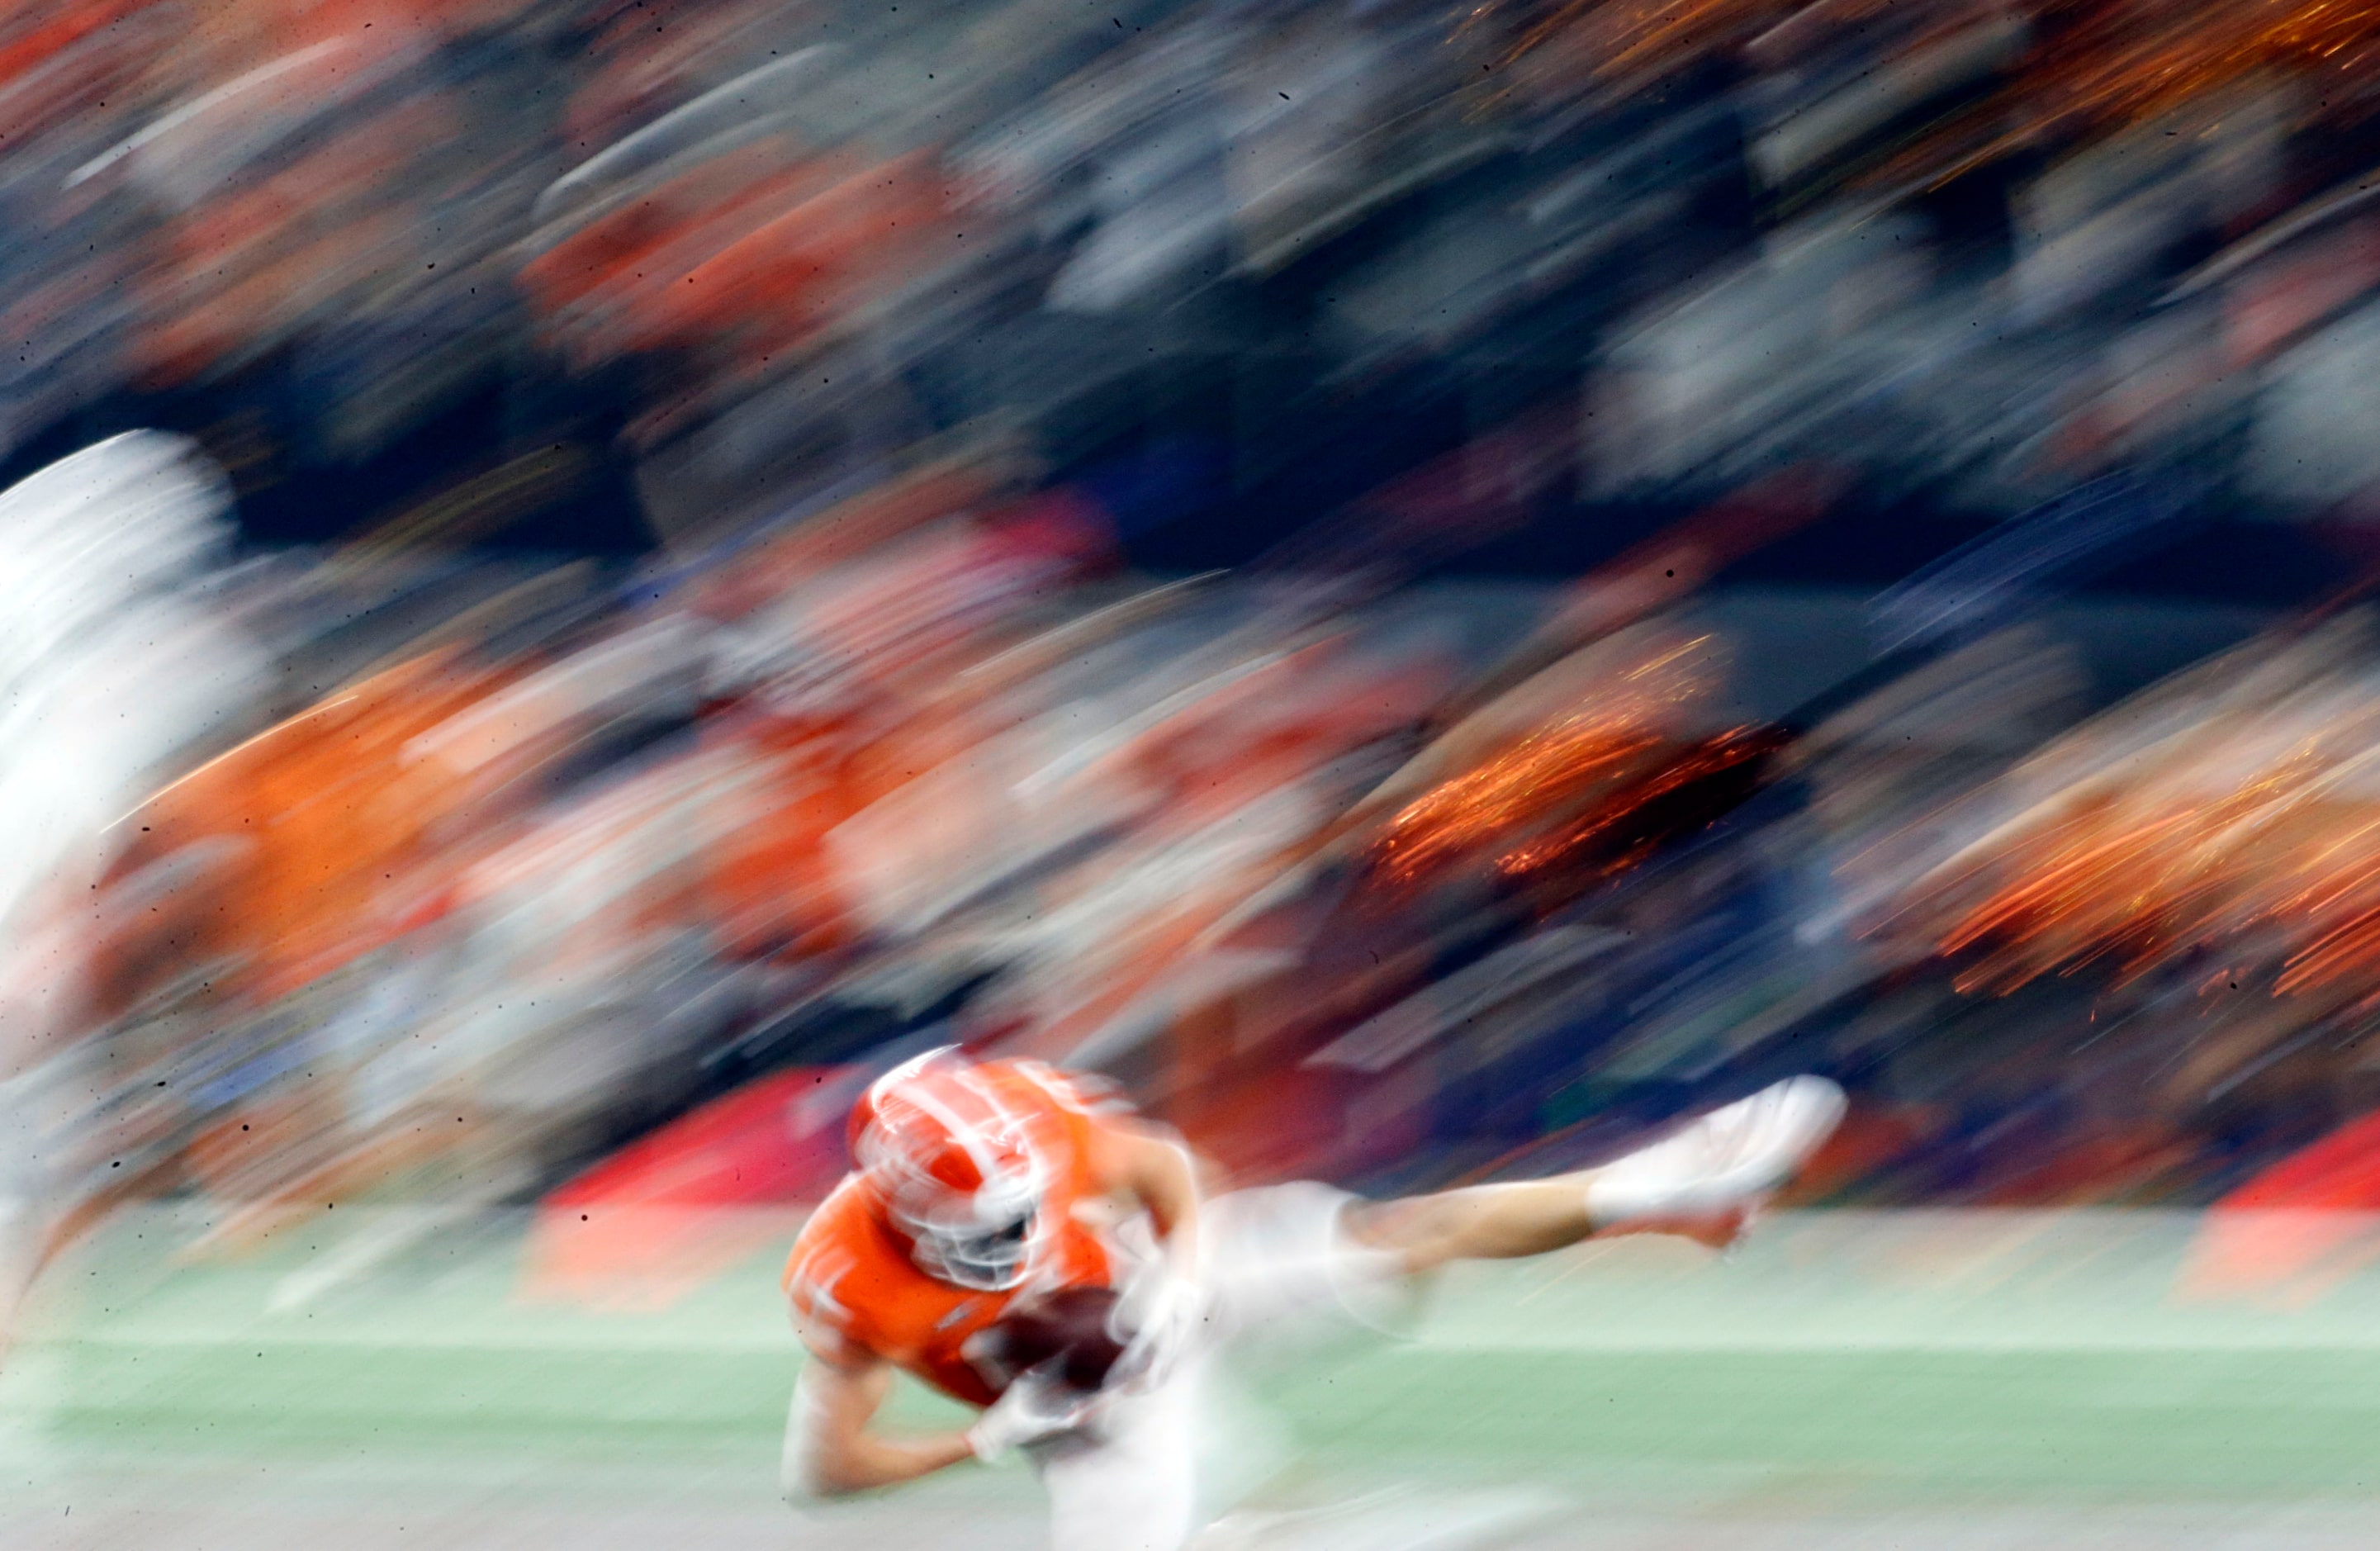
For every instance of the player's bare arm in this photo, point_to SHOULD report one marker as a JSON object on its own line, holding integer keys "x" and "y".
{"x": 1148, "y": 1165}
{"x": 832, "y": 1451}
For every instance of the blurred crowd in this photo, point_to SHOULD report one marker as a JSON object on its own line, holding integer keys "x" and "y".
{"x": 579, "y": 561}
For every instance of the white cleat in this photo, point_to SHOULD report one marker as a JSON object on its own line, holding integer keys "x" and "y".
{"x": 1709, "y": 1178}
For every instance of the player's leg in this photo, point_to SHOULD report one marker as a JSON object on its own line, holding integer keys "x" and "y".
{"x": 1280, "y": 1258}
{"x": 800, "y": 1471}
{"x": 1702, "y": 1182}
{"x": 1133, "y": 1485}
{"x": 1486, "y": 1222}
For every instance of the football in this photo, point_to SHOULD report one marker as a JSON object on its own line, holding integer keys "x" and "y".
{"x": 1070, "y": 1328}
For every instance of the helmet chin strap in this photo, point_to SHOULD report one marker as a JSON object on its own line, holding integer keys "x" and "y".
{"x": 1001, "y": 1259}
{"x": 959, "y": 1272}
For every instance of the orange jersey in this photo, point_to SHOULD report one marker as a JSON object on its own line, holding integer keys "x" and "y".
{"x": 854, "y": 1289}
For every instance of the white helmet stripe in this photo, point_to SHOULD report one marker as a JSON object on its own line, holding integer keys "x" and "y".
{"x": 1011, "y": 1117}
{"x": 971, "y": 1137}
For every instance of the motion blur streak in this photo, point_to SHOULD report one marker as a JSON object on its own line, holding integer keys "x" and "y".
{"x": 1551, "y": 770}
{"x": 2227, "y": 827}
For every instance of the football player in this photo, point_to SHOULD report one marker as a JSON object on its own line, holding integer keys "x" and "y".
{"x": 982, "y": 1188}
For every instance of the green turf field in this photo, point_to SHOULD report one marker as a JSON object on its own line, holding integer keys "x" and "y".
{"x": 2035, "y": 1378}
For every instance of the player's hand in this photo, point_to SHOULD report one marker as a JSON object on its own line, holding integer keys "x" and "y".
{"x": 1036, "y": 1406}
{"x": 1159, "y": 1320}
